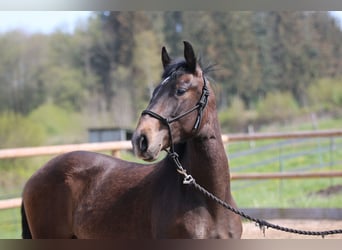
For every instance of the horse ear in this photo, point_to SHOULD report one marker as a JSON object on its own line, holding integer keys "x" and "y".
{"x": 189, "y": 56}
{"x": 165, "y": 57}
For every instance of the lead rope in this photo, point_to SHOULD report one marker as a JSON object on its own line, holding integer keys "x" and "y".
{"x": 262, "y": 224}
{"x": 189, "y": 180}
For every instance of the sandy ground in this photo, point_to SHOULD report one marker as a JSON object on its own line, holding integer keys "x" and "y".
{"x": 251, "y": 231}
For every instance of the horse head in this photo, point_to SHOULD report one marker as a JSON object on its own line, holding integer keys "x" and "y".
{"x": 176, "y": 110}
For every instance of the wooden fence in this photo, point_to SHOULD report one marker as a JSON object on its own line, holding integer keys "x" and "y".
{"x": 116, "y": 147}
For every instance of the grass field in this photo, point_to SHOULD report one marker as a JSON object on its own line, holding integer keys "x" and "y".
{"x": 320, "y": 154}
{"x": 264, "y": 156}
{"x": 10, "y": 224}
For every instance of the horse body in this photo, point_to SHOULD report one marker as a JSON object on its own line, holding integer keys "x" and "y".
{"x": 90, "y": 195}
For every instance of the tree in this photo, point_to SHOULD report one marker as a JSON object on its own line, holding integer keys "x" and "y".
{"x": 147, "y": 66}
{"x": 21, "y": 64}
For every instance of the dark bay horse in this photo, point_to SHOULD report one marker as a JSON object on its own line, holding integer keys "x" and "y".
{"x": 90, "y": 195}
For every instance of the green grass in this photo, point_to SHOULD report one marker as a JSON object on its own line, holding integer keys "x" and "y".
{"x": 288, "y": 192}
{"x": 304, "y": 124}
{"x": 10, "y": 224}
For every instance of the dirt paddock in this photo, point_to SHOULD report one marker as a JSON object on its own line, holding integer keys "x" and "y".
{"x": 251, "y": 231}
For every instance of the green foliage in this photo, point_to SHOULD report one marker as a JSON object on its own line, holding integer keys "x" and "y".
{"x": 117, "y": 54}
{"x": 236, "y": 118}
{"x": 20, "y": 66}
{"x": 277, "y": 106}
{"x": 326, "y": 95}
{"x": 66, "y": 87}
{"x": 147, "y": 64}
{"x": 19, "y": 131}
{"x": 60, "y": 125}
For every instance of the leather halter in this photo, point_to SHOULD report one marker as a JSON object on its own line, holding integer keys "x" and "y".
{"x": 201, "y": 104}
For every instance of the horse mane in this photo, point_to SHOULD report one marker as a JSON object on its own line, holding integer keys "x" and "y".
{"x": 179, "y": 66}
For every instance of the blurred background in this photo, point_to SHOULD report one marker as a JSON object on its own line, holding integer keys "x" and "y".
{"x": 63, "y": 73}
{"x": 95, "y": 69}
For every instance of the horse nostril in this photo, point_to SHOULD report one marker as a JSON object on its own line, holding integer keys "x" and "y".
{"x": 143, "y": 143}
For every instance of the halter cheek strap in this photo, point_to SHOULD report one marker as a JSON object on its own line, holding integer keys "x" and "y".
{"x": 202, "y": 104}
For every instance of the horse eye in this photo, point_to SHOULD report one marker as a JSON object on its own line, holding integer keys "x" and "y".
{"x": 180, "y": 91}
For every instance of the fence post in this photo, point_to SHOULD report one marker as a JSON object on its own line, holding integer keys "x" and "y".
{"x": 318, "y": 140}
{"x": 250, "y": 132}
{"x": 281, "y": 169}
{"x": 115, "y": 153}
{"x": 331, "y": 156}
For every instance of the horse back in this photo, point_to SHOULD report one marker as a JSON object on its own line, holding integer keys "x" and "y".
{"x": 87, "y": 195}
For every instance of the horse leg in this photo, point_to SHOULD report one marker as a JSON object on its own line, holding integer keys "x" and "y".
{"x": 26, "y": 233}
{"x": 235, "y": 223}
{"x": 49, "y": 212}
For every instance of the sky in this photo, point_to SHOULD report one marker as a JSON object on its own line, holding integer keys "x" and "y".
{"x": 48, "y": 21}
{"x": 41, "y": 21}
{"x": 338, "y": 15}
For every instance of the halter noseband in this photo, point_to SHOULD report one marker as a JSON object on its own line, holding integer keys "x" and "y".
{"x": 201, "y": 104}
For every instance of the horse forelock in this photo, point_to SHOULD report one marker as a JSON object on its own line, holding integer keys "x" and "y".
{"x": 178, "y": 66}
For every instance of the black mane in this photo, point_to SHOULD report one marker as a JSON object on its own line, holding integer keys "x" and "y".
{"x": 178, "y": 65}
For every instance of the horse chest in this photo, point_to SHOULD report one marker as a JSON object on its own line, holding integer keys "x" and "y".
{"x": 197, "y": 224}
{"x": 183, "y": 222}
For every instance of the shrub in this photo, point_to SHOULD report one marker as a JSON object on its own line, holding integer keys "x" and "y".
{"x": 61, "y": 125}
{"x": 236, "y": 117}
{"x": 325, "y": 95}
{"x": 277, "y": 106}
{"x": 19, "y": 131}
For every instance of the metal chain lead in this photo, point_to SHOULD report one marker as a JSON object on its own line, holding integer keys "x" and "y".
{"x": 189, "y": 180}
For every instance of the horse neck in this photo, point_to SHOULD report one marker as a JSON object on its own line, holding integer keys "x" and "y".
{"x": 205, "y": 158}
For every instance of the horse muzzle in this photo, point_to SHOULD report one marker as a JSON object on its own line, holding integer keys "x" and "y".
{"x": 147, "y": 146}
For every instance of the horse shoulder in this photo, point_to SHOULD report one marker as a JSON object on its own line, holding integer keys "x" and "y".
{"x": 111, "y": 190}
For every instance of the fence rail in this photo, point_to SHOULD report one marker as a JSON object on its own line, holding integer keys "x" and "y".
{"x": 126, "y": 145}
{"x": 294, "y": 175}
{"x": 59, "y": 149}
{"x": 116, "y": 147}
{"x": 288, "y": 135}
